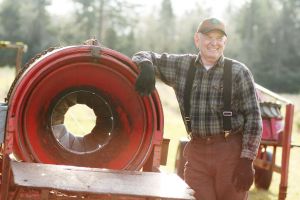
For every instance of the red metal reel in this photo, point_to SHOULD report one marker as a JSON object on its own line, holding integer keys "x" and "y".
{"x": 103, "y": 80}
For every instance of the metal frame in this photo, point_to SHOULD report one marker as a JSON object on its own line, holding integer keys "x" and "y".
{"x": 20, "y": 47}
{"x": 157, "y": 152}
{"x": 9, "y": 191}
{"x": 285, "y": 143}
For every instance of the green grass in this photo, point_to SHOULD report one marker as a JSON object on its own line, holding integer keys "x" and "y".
{"x": 174, "y": 129}
{"x": 7, "y": 75}
{"x": 80, "y": 120}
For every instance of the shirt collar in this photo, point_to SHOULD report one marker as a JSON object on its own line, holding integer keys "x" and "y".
{"x": 220, "y": 61}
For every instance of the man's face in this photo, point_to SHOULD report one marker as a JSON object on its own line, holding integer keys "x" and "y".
{"x": 211, "y": 45}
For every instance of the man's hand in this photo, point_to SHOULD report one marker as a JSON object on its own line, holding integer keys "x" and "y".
{"x": 145, "y": 82}
{"x": 243, "y": 175}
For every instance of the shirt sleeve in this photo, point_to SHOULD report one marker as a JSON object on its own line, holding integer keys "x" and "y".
{"x": 249, "y": 106}
{"x": 166, "y": 66}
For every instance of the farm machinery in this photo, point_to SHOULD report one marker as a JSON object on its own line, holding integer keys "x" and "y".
{"x": 118, "y": 159}
{"x": 277, "y": 132}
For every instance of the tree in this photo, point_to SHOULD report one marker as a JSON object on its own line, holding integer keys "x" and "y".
{"x": 166, "y": 25}
{"x": 27, "y": 21}
{"x": 265, "y": 29}
{"x": 11, "y": 30}
{"x": 11, "y": 23}
{"x": 107, "y": 19}
{"x": 286, "y": 62}
{"x": 188, "y": 24}
{"x": 37, "y": 31}
{"x": 86, "y": 21}
{"x": 128, "y": 44}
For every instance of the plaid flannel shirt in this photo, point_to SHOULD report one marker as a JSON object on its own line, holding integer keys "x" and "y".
{"x": 206, "y": 104}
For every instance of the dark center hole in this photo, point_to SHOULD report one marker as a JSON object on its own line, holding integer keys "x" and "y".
{"x": 82, "y": 121}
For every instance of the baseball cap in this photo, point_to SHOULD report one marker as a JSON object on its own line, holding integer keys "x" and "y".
{"x": 211, "y": 24}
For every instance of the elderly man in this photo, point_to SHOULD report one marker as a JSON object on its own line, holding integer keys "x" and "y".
{"x": 219, "y": 105}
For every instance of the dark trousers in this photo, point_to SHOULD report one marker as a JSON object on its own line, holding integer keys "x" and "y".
{"x": 209, "y": 167}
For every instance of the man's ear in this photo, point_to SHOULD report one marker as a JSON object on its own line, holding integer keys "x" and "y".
{"x": 196, "y": 39}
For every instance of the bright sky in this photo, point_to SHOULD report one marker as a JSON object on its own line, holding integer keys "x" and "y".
{"x": 59, "y": 7}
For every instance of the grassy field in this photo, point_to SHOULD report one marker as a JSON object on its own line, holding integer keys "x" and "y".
{"x": 174, "y": 129}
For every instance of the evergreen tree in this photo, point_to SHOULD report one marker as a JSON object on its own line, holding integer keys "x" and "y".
{"x": 166, "y": 26}
{"x": 37, "y": 31}
{"x": 26, "y": 21}
{"x": 11, "y": 23}
{"x": 265, "y": 29}
{"x": 186, "y": 29}
{"x": 10, "y": 29}
{"x": 109, "y": 20}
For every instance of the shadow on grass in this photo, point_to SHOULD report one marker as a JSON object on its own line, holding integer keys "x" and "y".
{"x": 261, "y": 194}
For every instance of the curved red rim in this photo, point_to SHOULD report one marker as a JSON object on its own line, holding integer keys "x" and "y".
{"x": 108, "y": 74}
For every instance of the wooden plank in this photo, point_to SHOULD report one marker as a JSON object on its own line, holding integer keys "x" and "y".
{"x": 269, "y": 143}
{"x": 266, "y": 165}
{"x": 45, "y": 194}
{"x": 81, "y": 180}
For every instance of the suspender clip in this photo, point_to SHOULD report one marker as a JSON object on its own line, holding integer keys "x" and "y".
{"x": 227, "y": 113}
{"x": 187, "y": 119}
{"x": 227, "y": 133}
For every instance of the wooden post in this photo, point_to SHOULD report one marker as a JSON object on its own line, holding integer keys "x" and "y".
{"x": 17, "y": 193}
{"x": 154, "y": 158}
{"x": 6, "y": 164}
{"x": 20, "y": 47}
{"x": 286, "y": 146}
{"x": 18, "y": 60}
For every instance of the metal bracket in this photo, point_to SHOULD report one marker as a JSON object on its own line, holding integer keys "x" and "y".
{"x": 3, "y": 115}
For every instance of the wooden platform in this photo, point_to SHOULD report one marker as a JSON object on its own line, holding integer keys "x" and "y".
{"x": 80, "y": 180}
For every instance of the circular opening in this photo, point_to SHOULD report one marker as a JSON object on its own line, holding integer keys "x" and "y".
{"x": 82, "y": 121}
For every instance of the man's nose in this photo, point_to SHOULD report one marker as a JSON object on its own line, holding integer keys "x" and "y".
{"x": 214, "y": 41}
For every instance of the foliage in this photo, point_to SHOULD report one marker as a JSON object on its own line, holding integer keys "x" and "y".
{"x": 166, "y": 25}
{"x": 111, "y": 21}
{"x": 269, "y": 42}
{"x": 261, "y": 34}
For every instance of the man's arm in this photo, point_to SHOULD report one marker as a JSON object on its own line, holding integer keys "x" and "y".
{"x": 249, "y": 106}
{"x": 165, "y": 65}
{"x": 242, "y": 176}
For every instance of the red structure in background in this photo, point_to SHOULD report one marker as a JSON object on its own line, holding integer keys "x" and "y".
{"x": 277, "y": 132}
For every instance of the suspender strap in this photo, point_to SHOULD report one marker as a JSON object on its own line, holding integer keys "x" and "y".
{"x": 187, "y": 93}
{"x": 227, "y": 87}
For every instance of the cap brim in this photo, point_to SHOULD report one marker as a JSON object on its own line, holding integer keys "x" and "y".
{"x": 209, "y": 29}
